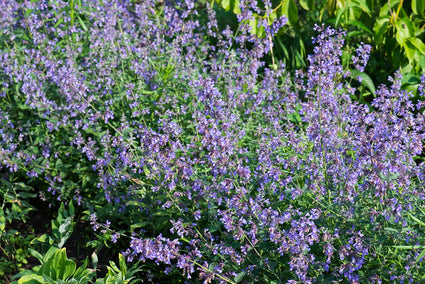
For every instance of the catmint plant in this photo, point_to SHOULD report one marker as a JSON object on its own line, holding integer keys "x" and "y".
{"x": 196, "y": 158}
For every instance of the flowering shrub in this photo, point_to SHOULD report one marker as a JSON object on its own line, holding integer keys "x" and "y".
{"x": 201, "y": 161}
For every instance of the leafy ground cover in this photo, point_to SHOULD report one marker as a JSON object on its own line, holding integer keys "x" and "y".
{"x": 161, "y": 147}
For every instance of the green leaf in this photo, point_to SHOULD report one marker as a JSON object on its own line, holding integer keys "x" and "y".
{"x": 43, "y": 239}
{"x": 363, "y": 6}
{"x": 366, "y": 80}
{"x": 380, "y": 29}
{"x": 65, "y": 231}
{"x": 63, "y": 266}
{"x": 240, "y": 276}
{"x": 84, "y": 275}
{"x": 94, "y": 259}
{"x": 122, "y": 263}
{"x": 331, "y": 5}
{"x": 342, "y": 11}
{"x": 405, "y": 29}
{"x": 420, "y": 256}
{"x": 289, "y": 9}
{"x": 409, "y": 247}
{"x": 59, "y": 165}
{"x": 36, "y": 254}
{"x": 114, "y": 266}
{"x": 230, "y": 5}
{"x": 225, "y": 4}
{"x": 31, "y": 279}
{"x": 2, "y": 221}
{"x": 419, "y": 222}
{"x": 307, "y": 4}
{"x": 255, "y": 29}
{"x": 389, "y": 229}
{"x": 418, "y": 7}
{"x": 416, "y": 42}
{"x": 83, "y": 25}
{"x": 50, "y": 253}
{"x": 360, "y": 25}
{"x": 410, "y": 51}
{"x": 139, "y": 224}
{"x": 410, "y": 79}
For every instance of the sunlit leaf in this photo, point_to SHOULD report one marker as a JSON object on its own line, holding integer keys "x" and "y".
{"x": 307, "y": 4}
{"x": 418, "y": 7}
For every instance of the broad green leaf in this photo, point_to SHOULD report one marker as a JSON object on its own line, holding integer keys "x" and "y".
{"x": 225, "y": 4}
{"x": 307, "y": 4}
{"x": 47, "y": 268}
{"x": 59, "y": 165}
{"x": 230, "y": 5}
{"x": 410, "y": 79}
{"x": 31, "y": 279}
{"x": 63, "y": 266}
{"x": 354, "y": 34}
{"x": 65, "y": 230}
{"x": 339, "y": 14}
{"x": 289, "y": 9}
{"x": 50, "y": 253}
{"x": 420, "y": 46}
{"x": 418, "y": 7}
{"x": 405, "y": 29}
{"x": 366, "y": 80}
{"x": 410, "y": 51}
{"x": 389, "y": 229}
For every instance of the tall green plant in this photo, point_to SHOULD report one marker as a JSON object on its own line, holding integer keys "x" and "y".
{"x": 394, "y": 28}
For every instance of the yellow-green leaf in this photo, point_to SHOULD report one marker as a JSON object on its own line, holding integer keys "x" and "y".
{"x": 405, "y": 29}
{"x": 418, "y": 7}
{"x": 307, "y": 4}
{"x": 418, "y": 44}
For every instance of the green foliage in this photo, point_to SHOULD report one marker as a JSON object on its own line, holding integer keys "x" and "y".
{"x": 119, "y": 274}
{"x": 55, "y": 268}
{"x": 14, "y": 209}
{"x": 394, "y": 28}
{"x": 62, "y": 229}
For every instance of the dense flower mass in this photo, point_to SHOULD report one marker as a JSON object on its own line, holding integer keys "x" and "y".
{"x": 202, "y": 158}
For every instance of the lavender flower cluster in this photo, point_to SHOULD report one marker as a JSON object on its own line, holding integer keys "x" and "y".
{"x": 213, "y": 164}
